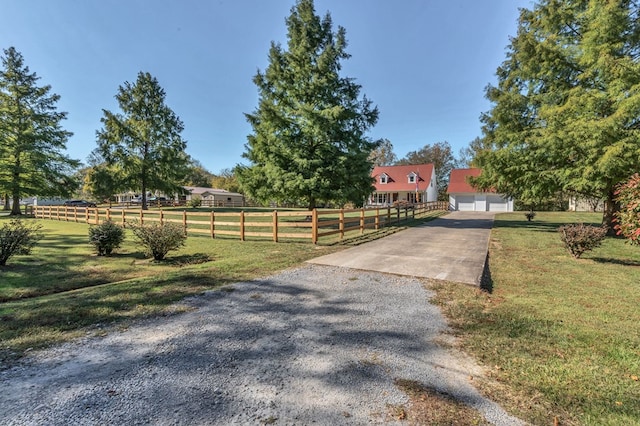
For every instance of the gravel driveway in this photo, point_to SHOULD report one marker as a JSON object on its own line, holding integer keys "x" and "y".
{"x": 316, "y": 344}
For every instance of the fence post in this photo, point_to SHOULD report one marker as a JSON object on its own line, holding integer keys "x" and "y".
{"x": 275, "y": 226}
{"x": 314, "y": 226}
{"x": 161, "y": 217}
{"x": 388, "y": 220}
{"x": 123, "y": 218}
{"x": 362, "y": 221}
{"x": 141, "y": 216}
{"x": 184, "y": 221}
{"x": 75, "y": 214}
{"x": 212, "y": 224}
{"x": 242, "y": 225}
{"x": 377, "y": 221}
{"x": 108, "y": 213}
{"x": 86, "y": 215}
{"x": 341, "y": 224}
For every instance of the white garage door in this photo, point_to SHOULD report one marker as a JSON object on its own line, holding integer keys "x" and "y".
{"x": 496, "y": 204}
{"x": 466, "y": 203}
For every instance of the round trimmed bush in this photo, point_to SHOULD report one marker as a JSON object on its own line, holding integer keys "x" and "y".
{"x": 106, "y": 237}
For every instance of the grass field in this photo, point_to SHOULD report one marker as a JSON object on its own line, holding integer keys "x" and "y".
{"x": 560, "y": 337}
{"x": 63, "y": 288}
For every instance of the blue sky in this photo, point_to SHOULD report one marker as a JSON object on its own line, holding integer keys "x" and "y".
{"x": 424, "y": 63}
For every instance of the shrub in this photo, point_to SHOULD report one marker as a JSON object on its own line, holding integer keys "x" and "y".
{"x": 195, "y": 201}
{"x": 628, "y": 217}
{"x": 578, "y": 237}
{"x": 530, "y": 215}
{"x": 106, "y": 237}
{"x": 159, "y": 238}
{"x": 16, "y": 237}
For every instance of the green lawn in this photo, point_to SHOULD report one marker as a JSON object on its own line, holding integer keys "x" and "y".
{"x": 63, "y": 288}
{"x": 559, "y": 336}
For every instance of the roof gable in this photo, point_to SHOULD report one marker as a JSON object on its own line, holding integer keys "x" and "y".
{"x": 398, "y": 177}
{"x": 459, "y": 181}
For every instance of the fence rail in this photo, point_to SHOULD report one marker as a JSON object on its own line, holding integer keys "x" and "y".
{"x": 275, "y": 225}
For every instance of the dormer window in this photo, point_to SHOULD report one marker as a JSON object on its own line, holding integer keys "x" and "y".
{"x": 384, "y": 178}
{"x": 413, "y": 178}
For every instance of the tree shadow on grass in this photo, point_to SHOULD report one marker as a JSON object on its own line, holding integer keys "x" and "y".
{"x": 486, "y": 282}
{"x": 615, "y": 261}
{"x": 188, "y": 259}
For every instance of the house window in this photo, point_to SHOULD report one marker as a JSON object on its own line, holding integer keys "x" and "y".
{"x": 384, "y": 178}
{"x": 412, "y": 178}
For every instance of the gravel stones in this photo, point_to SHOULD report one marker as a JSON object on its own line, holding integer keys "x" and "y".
{"x": 315, "y": 344}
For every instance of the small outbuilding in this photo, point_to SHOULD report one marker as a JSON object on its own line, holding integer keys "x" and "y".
{"x": 212, "y": 197}
{"x": 464, "y": 197}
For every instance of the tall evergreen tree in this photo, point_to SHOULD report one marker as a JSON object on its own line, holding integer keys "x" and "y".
{"x": 565, "y": 114}
{"x": 32, "y": 140}
{"x": 143, "y": 143}
{"x": 309, "y": 139}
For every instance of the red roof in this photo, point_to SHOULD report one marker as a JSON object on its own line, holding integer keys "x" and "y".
{"x": 458, "y": 181}
{"x": 398, "y": 177}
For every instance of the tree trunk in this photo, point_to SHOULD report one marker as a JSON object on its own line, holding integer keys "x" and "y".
{"x": 15, "y": 208}
{"x": 610, "y": 209}
{"x": 312, "y": 203}
{"x": 7, "y": 203}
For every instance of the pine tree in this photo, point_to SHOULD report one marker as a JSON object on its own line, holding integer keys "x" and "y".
{"x": 566, "y": 107}
{"x": 32, "y": 141}
{"x": 309, "y": 141}
{"x": 143, "y": 144}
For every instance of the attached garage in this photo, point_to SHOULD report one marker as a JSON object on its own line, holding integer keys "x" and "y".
{"x": 463, "y": 197}
{"x": 497, "y": 204}
{"x": 465, "y": 203}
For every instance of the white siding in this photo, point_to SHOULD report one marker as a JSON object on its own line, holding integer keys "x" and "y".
{"x": 465, "y": 203}
{"x": 480, "y": 203}
{"x": 497, "y": 204}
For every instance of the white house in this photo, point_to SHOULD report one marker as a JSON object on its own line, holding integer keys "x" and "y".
{"x": 464, "y": 197}
{"x": 413, "y": 183}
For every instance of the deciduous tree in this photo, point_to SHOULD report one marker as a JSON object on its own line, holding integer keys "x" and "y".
{"x": 565, "y": 113}
{"x": 143, "y": 142}
{"x": 628, "y": 217}
{"x": 198, "y": 175}
{"x": 32, "y": 141}
{"x": 101, "y": 180}
{"x": 441, "y": 155}
{"x": 226, "y": 180}
{"x": 383, "y": 154}
{"x": 309, "y": 140}
{"x": 467, "y": 155}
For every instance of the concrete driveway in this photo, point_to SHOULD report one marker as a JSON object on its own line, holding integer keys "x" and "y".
{"x": 452, "y": 248}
